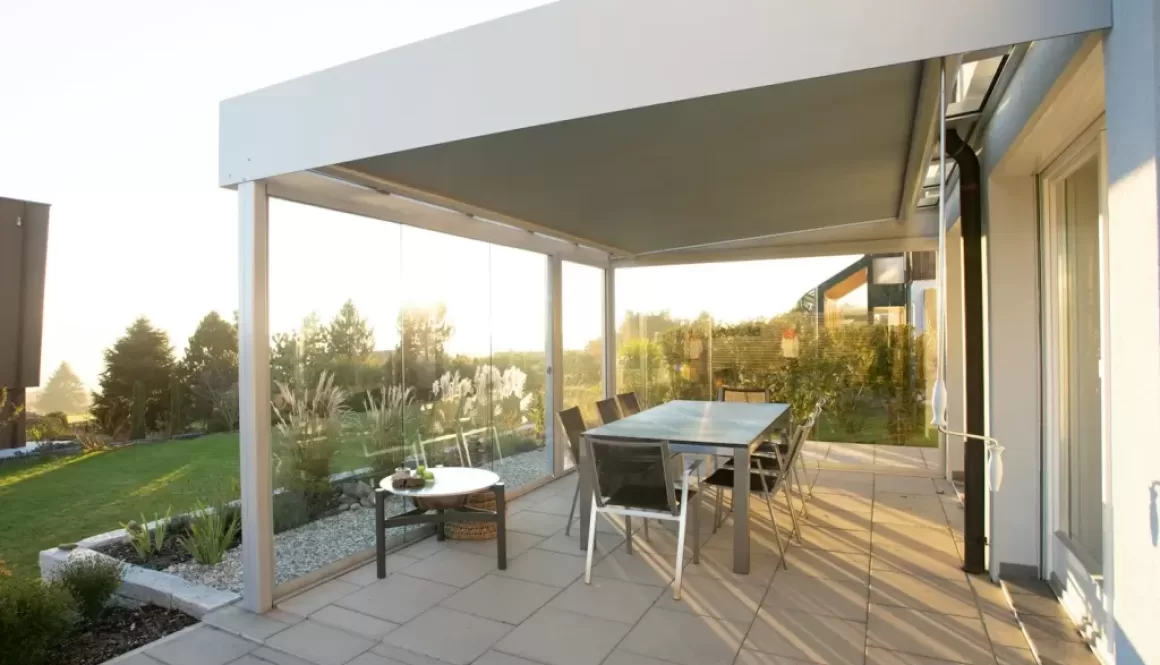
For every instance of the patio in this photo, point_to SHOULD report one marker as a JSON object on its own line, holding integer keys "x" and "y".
{"x": 876, "y": 580}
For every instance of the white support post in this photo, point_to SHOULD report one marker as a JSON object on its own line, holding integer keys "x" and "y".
{"x": 254, "y": 397}
{"x": 609, "y": 332}
{"x": 555, "y": 349}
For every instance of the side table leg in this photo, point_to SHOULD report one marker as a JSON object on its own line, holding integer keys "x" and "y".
{"x": 440, "y": 534}
{"x": 500, "y": 526}
{"x": 380, "y": 532}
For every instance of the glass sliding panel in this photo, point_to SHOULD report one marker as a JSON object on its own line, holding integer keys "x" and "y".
{"x": 519, "y": 292}
{"x": 335, "y": 288}
{"x": 1081, "y": 362}
{"x": 446, "y": 331}
{"x": 802, "y": 328}
{"x": 583, "y": 333}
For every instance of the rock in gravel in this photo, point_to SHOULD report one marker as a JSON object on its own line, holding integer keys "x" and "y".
{"x": 362, "y": 490}
{"x": 354, "y": 506}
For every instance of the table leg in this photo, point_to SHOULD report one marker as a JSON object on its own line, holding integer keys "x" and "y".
{"x": 440, "y": 533}
{"x": 585, "y": 500}
{"x": 500, "y": 526}
{"x": 380, "y": 533}
{"x": 741, "y": 511}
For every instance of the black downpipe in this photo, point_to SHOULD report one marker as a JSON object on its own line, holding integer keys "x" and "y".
{"x": 974, "y": 450}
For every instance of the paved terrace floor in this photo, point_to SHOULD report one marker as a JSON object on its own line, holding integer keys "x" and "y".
{"x": 876, "y": 581}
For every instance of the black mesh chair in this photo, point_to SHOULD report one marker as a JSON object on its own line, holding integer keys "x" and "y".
{"x": 608, "y": 409}
{"x": 629, "y": 404}
{"x": 635, "y": 479}
{"x": 573, "y": 424}
{"x": 774, "y": 453}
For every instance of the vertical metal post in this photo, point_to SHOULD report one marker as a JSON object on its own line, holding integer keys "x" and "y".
{"x": 609, "y": 332}
{"x": 254, "y": 397}
{"x": 554, "y": 343}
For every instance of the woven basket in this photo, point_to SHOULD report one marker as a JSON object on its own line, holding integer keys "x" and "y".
{"x": 474, "y": 530}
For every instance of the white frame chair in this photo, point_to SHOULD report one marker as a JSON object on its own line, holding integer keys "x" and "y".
{"x": 678, "y": 509}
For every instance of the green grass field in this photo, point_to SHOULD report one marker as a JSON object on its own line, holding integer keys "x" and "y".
{"x": 874, "y": 430}
{"x": 48, "y": 502}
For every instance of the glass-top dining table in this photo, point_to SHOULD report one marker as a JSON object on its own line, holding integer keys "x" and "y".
{"x": 724, "y": 429}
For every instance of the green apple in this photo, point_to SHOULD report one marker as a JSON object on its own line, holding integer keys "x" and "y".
{"x": 428, "y": 475}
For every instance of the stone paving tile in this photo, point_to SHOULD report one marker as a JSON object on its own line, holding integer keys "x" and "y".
{"x": 453, "y": 567}
{"x": 718, "y": 564}
{"x": 518, "y": 542}
{"x": 685, "y": 639}
{"x": 317, "y": 597}
{"x": 570, "y": 544}
{"x": 234, "y": 619}
{"x": 942, "y": 636}
{"x": 830, "y": 565}
{"x": 368, "y": 573}
{"x": 1030, "y": 604}
{"x": 932, "y": 594}
{"x": 721, "y": 599}
{"x": 1041, "y": 629}
{"x": 903, "y": 485}
{"x": 558, "y": 637}
{"x": 807, "y": 637}
{"x": 842, "y": 598}
{"x": 616, "y": 600}
{"x": 877, "y": 656}
{"x": 203, "y": 645}
{"x": 381, "y": 599}
{"x": 353, "y": 622}
{"x": 643, "y": 566}
{"x": 452, "y": 637}
{"x": 621, "y": 657}
{"x": 544, "y": 567}
{"x": 909, "y": 509}
{"x": 502, "y": 598}
{"x": 497, "y": 658}
{"x": 1014, "y": 656}
{"x": 268, "y": 655}
{"x": 539, "y": 524}
{"x": 319, "y": 643}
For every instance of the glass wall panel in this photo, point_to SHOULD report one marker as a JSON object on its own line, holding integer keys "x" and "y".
{"x": 583, "y": 323}
{"x": 394, "y": 346}
{"x": 802, "y": 328}
{"x": 338, "y": 412}
{"x": 519, "y": 316}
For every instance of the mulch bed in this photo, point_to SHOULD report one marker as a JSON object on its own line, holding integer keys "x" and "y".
{"x": 171, "y": 552}
{"x": 120, "y": 630}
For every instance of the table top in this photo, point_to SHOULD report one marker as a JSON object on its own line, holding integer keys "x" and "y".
{"x": 449, "y": 481}
{"x": 732, "y": 424}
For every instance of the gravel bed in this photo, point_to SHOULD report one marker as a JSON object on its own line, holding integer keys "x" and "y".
{"x": 313, "y": 546}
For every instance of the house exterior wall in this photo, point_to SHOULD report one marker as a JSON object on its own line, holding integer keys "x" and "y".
{"x": 23, "y": 249}
{"x": 1132, "y": 78}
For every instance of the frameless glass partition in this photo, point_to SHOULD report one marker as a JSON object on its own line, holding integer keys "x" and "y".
{"x": 857, "y": 330}
{"x": 393, "y": 346}
{"x": 583, "y": 336}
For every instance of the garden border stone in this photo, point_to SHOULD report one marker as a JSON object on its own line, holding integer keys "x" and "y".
{"x": 142, "y": 584}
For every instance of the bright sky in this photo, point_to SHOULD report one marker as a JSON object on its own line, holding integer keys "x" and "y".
{"x": 110, "y": 114}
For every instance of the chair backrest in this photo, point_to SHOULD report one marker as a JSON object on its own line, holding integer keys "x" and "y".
{"x": 609, "y": 411}
{"x": 573, "y": 424}
{"x": 631, "y": 473}
{"x": 629, "y": 404}
{"x": 801, "y": 433}
{"x": 752, "y": 395}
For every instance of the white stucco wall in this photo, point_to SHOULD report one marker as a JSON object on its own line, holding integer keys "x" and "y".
{"x": 1132, "y": 77}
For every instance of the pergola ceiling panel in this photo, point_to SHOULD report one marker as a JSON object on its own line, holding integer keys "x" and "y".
{"x": 803, "y": 155}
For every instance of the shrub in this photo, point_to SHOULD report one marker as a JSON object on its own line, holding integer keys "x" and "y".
{"x": 34, "y": 617}
{"x": 211, "y": 532}
{"x": 92, "y": 581}
{"x": 290, "y": 511}
{"x": 309, "y": 426}
{"x": 145, "y": 542}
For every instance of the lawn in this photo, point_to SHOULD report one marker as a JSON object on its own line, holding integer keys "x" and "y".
{"x": 47, "y": 502}
{"x": 874, "y": 430}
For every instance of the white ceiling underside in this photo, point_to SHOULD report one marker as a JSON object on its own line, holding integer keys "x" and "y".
{"x": 647, "y": 126}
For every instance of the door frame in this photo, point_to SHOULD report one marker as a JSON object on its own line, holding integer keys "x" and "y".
{"x": 1076, "y": 578}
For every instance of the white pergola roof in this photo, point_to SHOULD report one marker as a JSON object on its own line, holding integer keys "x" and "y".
{"x": 648, "y": 126}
